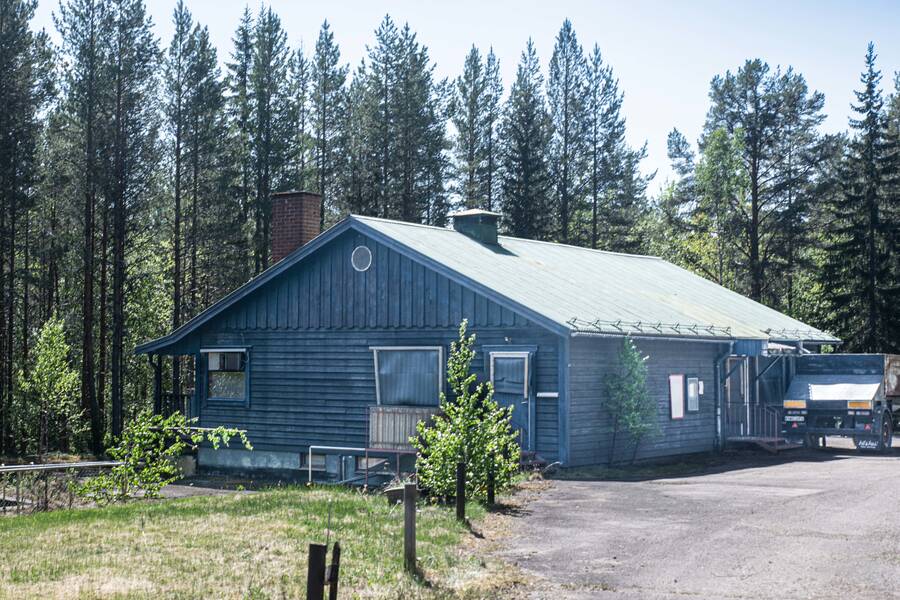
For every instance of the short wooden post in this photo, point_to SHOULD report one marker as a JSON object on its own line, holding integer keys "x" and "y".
{"x": 461, "y": 491}
{"x": 491, "y": 484}
{"x": 46, "y": 490}
{"x": 4, "y": 494}
{"x": 334, "y": 571}
{"x": 18, "y": 492}
{"x": 409, "y": 527}
{"x": 315, "y": 572}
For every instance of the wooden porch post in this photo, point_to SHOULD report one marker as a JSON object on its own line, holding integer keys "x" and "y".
{"x": 157, "y": 384}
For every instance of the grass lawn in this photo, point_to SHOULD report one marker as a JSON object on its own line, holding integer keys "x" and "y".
{"x": 250, "y": 545}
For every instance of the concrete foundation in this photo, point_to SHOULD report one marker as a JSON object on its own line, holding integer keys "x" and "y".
{"x": 247, "y": 460}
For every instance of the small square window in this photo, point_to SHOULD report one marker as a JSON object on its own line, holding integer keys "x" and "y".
{"x": 317, "y": 463}
{"x": 693, "y": 394}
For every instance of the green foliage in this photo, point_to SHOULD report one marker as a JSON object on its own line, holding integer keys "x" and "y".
{"x": 471, "y": 428}
{"x": 860, "y": 276}
{"x": 629, "y": 403}
{"x": 47, "y": 408}
{"x": 147, "y": 452}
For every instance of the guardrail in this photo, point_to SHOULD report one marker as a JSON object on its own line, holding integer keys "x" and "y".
{"x": 43, "y": 487}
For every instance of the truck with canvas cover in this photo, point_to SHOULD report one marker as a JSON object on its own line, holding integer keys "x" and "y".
{"x": 849, "y": 395}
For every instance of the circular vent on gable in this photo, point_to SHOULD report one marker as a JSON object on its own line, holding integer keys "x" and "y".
{"x": 361, "y": 259}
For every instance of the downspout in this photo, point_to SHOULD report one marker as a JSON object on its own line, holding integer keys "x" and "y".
{"x": 720, "y": 445}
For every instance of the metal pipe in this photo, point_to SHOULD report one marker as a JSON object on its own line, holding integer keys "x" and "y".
{"x": 718, "y": 393}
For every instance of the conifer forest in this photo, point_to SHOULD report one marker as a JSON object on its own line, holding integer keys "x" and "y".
{"x": 136, "y": 176}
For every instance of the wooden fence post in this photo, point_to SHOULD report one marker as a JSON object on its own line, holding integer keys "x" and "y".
{"x": 409, "y": 527}
{"x": 334, "y": 571}
{"x": 315, "y": 572}
{"x": 461, "y": 491}
{"x": 491, "y": 484}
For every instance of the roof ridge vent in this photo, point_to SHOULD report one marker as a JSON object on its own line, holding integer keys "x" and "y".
{"x": 478, "y": 224}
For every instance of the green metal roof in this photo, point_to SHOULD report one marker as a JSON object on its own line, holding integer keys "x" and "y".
{"x": 594, "y": 291}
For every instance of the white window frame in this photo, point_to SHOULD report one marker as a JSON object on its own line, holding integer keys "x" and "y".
{"x": 687, "y": 393}
{"x": 440, "y": 350}
{"x": 245, "y": 350}
{"x": 513, "y": 354}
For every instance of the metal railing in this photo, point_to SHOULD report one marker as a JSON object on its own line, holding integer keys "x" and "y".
{"x": 31, "y": 488}
{"x": 753, "y": 421}
{"x": 366, "y": 454}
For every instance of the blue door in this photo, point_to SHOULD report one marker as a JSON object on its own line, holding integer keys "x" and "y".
{"x": 510, "y": 372}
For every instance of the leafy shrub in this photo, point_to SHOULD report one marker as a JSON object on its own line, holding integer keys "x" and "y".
{"x": 45, "y": 408}
{"x": 471, "y": 428}
{"x": 147, "y": 451}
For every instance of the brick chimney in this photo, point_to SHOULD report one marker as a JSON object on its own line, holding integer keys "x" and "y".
{"x": 295, "y": 221}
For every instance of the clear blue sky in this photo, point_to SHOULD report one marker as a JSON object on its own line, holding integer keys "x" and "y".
{"x": 664, "y": 53}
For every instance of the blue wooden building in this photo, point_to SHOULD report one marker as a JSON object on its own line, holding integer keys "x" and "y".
{"x": 343, "y": 341}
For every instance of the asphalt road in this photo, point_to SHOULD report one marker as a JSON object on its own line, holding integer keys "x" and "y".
{"x": 823, "y": 525}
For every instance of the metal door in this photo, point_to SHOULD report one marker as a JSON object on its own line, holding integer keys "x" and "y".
{"x": 510, "y": 373}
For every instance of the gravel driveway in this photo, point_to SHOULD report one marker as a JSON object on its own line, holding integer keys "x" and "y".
{"x": 801, "y": 525}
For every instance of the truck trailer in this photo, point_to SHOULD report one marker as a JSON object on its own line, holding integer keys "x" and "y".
{"x": 849, "y": 395}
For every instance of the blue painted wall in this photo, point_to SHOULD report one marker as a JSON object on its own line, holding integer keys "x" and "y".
{"x": 309, "y": 334}
{"x": 592, "y": 359}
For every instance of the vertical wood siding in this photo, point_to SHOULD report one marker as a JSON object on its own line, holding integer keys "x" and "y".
{"x": 592, "y": 359}
{"x": 309, "y": 332}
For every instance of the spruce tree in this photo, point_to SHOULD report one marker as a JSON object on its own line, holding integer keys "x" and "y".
{"x": 468, "y": 107}
{"x": 859, "y": 275}
{"x": 526, "y": 136}
{"x": 566, "y": 99}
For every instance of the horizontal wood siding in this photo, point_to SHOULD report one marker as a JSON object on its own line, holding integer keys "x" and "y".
{"x": 592, "y": 359}
{"x": 309, "y": 332}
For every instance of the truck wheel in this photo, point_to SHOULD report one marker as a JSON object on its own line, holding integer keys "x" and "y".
{"x": 811, "y": 441}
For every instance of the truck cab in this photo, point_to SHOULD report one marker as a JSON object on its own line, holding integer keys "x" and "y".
{"x": 849, "y": 395}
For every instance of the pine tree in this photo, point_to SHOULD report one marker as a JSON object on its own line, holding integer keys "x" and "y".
{"x": 25, "y": 89}
{"x": 134, "y": 152}
{"x": 604, "y": 136}
{"x": 468, "y": 107}
{"x": 328, "y": 78}
{"x": 766, "y": 108}
{"x": 566, "y": 98}
{"x": 83, "y": 27}
{"x": 176, "y": 87}
{"x": 405, "y": 114}
{"x": 488, "y": 175}
{"x": 859, "y": 274}
{"x": 525, "y": 134}
{"x": 215, "y": 242}
{"x": 270, "y": 125}
{"x": 239, "y": 110}
{"x": 301, "y": 125}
